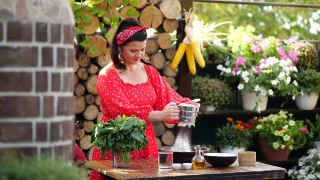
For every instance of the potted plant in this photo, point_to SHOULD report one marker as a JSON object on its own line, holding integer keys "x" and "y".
{"x": 234, "y": 136}
{"x": 308, "y": 56}
{"x": 309, "y": 88}
{"x": 315, "y": 131}
{"x": 264, "y": 66}
{"x": 279, "y": 134}
{"x": 120, "y": 136}
{"x": 213, "y": 93}
{"x": 308, "y": 166}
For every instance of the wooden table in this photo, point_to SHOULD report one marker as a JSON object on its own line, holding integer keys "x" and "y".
{"x": 148, "y": 169}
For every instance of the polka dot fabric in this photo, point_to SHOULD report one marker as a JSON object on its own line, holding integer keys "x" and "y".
{"x": 118, "y": 97}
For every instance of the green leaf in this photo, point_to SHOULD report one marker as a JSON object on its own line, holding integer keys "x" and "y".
{"x": 85, "y": 43}
{"x": 86, "y": 19}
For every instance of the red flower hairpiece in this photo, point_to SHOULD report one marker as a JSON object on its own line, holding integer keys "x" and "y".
{"x": 127, "y": 33}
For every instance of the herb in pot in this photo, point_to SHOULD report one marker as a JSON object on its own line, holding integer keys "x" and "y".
{"x": 122, "y": 135}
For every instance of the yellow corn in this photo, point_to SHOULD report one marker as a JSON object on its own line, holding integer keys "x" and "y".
{"x": 190, "y": 60}
{"x": 197, "y": 54}
{"x": 178, "y": 56}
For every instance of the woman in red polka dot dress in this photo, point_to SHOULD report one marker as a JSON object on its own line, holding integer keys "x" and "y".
{"x": 130, "y": 86}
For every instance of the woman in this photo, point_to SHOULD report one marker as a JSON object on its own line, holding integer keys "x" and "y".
{"x": 129, "y": 86}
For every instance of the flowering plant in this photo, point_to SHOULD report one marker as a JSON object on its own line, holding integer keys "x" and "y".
{"x": 263, "y": 66}
{"x": 234, "y": 133}
{"x": 308, "y": 166}
{"x": 281, "y": 130}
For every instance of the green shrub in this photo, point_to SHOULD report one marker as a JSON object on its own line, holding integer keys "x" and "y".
{"x": 15, "y": 167}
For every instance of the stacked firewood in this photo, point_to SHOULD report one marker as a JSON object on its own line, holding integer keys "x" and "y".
{"x": 161, "y": 15}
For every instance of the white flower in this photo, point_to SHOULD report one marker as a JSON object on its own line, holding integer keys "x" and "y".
{"x": 286, "y": 137}
{"x": 220, "y": 67}
{"x": 228, "y": 70}
{"x": 240, "y": 86}
{"x": 256, "y": 88}
{"x": 259, "y": 126}
{"x": 295, "y": 83}
{"x": 283, "y": 146}
{"x": 275, "y": 145}
{"x": 281, "y": 75}
{"x": 275, "y": 82}
{"x": 288, "y": 80}
{"x": 291, "y": 123}
{"x": 263, "y": 92}
{"x": 270, "y": 92}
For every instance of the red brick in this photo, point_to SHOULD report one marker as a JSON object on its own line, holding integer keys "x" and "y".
{"x": 55, "y": 81}
{"x": 68, "y": 128}
{"x": 67, "y": 78}
{"x": 19, "y": 106}
{"x": 47, "y": 57}
{"x": 15, "y": 81}
{"x": 55, "y": 131}
{"x": 19, "y": 31}
{"x": 55, "y": 33}
{"x": 18, "y": 56}
{"x": 16, "y": 132}
{"x": 41, "y": 81}
{"x": 1, "y": 29}
{"x": 69, "y": 152}
{"x": 48, "y": 106}
{"x": 21, "y": 10}
{"x": 58, "y": 151}
{"x": 42, "y": 131}
{"x": 61, "y": 55}
{"x": 66, "y": 105}
{"x": 71, "y": 57}
{"x": 30, "y": 151}
{"x": 41, "y": 32}
{"x": 68, "y": 34}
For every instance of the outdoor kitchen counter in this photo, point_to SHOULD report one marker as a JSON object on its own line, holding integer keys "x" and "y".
{"x": 148, "y": 169}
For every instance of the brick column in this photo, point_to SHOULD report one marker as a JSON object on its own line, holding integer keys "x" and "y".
{"x": 36, "y": 77}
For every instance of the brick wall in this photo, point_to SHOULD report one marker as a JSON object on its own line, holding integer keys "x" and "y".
{"x": 36, "y": 77}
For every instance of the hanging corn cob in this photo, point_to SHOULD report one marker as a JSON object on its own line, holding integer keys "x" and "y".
{"x": 189, "y": 46}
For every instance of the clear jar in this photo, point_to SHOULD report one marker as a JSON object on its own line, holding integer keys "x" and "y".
{"x": 198, "y": 160}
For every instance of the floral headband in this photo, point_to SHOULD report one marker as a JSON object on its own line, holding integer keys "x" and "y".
{"x": 127, "y": 33}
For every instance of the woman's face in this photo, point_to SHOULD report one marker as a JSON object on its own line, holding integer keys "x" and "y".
{"x": 133, "y": 52}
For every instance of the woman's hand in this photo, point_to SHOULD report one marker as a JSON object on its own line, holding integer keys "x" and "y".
{"x": 196, "y": 103}
{"x": 170, "y": 112}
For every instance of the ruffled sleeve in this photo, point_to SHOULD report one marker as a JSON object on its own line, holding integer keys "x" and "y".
{"x": 165, "y": 94}
{"x": 115, "y": 102}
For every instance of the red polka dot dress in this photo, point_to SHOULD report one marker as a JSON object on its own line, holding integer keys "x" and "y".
{"x": 118, "y": 97}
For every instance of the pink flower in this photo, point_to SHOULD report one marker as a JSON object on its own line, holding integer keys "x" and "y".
{"x": 235, "y": 70}
{"x": 260, "y": 36}
{"x": 293, "y": 56}
{"x": 240, "y": 61}
{"x": 249, "y": 39}
{"x": 264, "y": 43}
{"x": 304, "y": 130}
{"x": 289, "y": 41}
{"x": 282, "y": 53}
{"x": 257, "y": 69}
{"x": 255, "y": 48}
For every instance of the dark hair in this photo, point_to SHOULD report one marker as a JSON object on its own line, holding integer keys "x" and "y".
{"x": 138, "y": 36}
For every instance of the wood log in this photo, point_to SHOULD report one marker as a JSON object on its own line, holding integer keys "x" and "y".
{"x": 90, "y": 112}
{"x": 91, "y": 26}
{"x": 154, "y": 2}
{"x": 82, "y": 73}
{"x": 170, "y": 25}
{"x": 168, "y": 71}
{"x": 170, "y": 126}
{"x": 97, "y": 46}
{"x": 146, "y": 58}
{"x": 103, "y": 60}
{"x": 152, "y": 46}
{"x": 97, "y": 100}
{"x": 128, "y": 12}
{"x": 170, "y": 80}
{"x": 90, "y": 153}
{"x": 141, "y": 4}
{"x": 75, "y": 80}
{"x": 90, "y": 99}
{"x": 75, "y": 65}
{"x": 171, "y": 9}
{"x": 117, "y": 3}
{"x": 90, "y": 84}
{"x": 80, "y": 104}
{"x": 164, "y": 40}
{"x": 168, "y": 138}
{"x": 158, "y": 60}
{"x": 159, "y": 143}
{"x": 85, "y": 142}
{"x": 169, "y": 53}
{"x": 151, "y": 17}
{"x": 110, "y": 33}
{"x": 159, "y": 128}
{"x": 88, "y": 125}
{"x": 100, "y": 115}
{"x": 83, "y": 60}
{"x": 79, "y": 89}
{"x": 78, "y": 133}
{"x": 93, "y": 69}
{"x": 102, "y": 6}
{"x": 111, "y": 12}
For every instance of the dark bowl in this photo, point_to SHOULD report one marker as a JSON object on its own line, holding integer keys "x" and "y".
{"x": 183, "y": 157}
{"x": 220, "y": 159}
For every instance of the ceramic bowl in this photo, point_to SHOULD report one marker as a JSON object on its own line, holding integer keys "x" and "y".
{"x": 176, "y": 166}
{"x": 220, "y": 159}
{"x": 186, "y": 165}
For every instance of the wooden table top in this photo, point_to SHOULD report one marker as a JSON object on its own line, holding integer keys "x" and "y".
{"x": 148, "y": 169}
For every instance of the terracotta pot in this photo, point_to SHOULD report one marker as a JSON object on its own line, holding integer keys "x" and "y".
{"x": 270, "y": 154}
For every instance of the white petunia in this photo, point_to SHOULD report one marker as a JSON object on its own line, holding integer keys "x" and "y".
{"x": 281, "y": 75}
{"x": 286, "y": 137}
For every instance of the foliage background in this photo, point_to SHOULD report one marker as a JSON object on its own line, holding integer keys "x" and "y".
{"x": 278, "y": 21}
